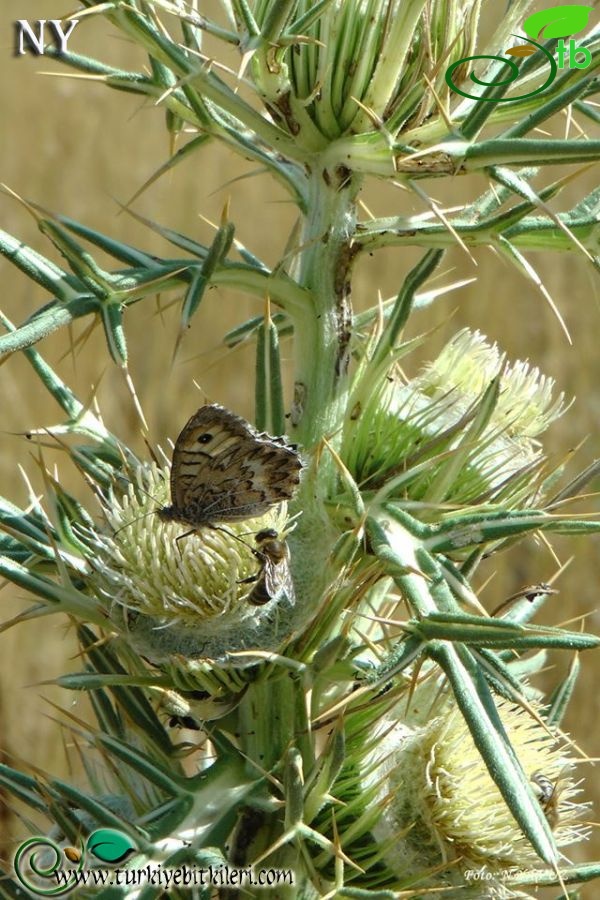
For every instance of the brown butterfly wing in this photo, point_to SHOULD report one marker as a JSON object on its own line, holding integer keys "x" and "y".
{"x": 210, "y": 430}
{"x": 223, "y": 470}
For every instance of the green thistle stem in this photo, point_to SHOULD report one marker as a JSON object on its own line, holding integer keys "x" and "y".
{"x": 266, "y": 717}
{"x": 323, "y": 335}
{"x": 270, "y": 712}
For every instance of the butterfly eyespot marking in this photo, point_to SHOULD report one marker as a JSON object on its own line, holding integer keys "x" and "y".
{"x": 205, "y": 438}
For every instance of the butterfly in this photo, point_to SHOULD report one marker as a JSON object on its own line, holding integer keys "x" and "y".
{"x": 274, "y": 575}
{"x": 223, "y": 470}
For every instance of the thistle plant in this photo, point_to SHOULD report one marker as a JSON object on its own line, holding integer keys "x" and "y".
{"x": 372, "y": 726}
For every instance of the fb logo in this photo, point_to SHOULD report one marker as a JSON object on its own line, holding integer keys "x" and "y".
{"x": 558, "y": 22}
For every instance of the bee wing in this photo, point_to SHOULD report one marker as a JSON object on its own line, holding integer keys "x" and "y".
{"x": 278, "y": 578}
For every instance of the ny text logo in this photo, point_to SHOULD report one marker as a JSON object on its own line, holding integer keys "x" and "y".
{"x": 33, "y": 38}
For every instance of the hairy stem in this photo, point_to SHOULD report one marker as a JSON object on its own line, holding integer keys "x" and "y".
{"x": 323, "y": 336}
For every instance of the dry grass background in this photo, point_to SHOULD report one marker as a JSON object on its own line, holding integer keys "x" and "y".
{"x": 76, "y": 148}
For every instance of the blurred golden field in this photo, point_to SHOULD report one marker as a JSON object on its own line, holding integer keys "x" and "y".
{"x": 76, "y": 148}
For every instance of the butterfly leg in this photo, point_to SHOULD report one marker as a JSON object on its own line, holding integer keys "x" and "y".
{"x": 180, "y": 537}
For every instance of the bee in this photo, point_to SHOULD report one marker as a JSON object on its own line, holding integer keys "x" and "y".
{"x": 548, "y": 794}
{"x": 273, "y": 576}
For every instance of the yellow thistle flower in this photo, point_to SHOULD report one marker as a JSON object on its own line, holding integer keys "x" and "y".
{"x": 424, "y": 426}
{"x": 439, "y": 797}
{"x": 182, "y": 594}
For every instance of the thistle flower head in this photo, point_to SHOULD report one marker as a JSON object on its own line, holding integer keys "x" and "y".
{"x": 413, "y": 433}
{"x": 184, "y": 589}
{"x": 437, "y": 793}
{"x": 468, "y": 363}
{"x": 360, "y": 66}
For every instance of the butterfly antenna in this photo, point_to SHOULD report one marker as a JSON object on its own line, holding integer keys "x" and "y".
{"x": 148, "y": 494}
{"x": 152, "y": 512}
{"x": 137, "y": 519}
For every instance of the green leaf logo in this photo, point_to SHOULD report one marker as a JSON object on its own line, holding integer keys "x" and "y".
{"x": 558, "y": 22}
{"x": 110, "y": 845}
